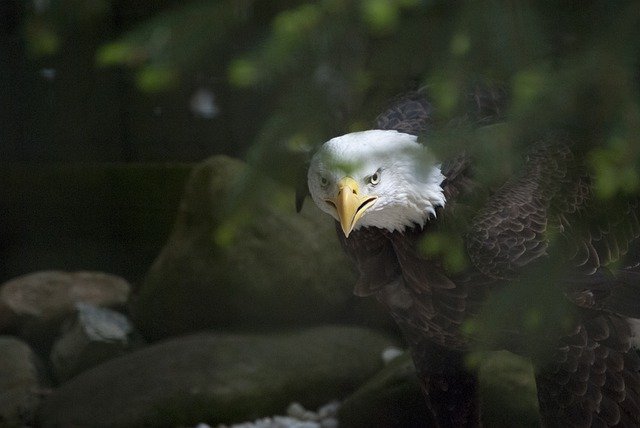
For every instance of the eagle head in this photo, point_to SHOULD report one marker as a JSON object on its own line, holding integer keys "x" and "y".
{"x": 376, "y": 178}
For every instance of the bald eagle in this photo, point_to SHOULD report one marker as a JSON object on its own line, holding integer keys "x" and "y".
{"x": 542, "y": 235}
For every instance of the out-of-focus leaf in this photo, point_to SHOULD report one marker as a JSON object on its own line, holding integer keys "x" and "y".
{"x": 614, "y": 168}
{"x": 120, "y": 53}
{"x": 445, "y": 92}
{"x": 528, "y": 85}
{"x": 243, "y": 73}
{"x": 382, "y": 16}
{"x": 460, "y": 44}
{"x": 41, "y": 39}
{"x": 292, "y": 24}
{"x": 175, "y": 40}
{"x": 447, "y": 246}
{"x": 289, "y": 40}
{"x": 154, "y": 79}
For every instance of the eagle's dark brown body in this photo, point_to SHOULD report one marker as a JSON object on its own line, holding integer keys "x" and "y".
{"x": 543, "y": 228}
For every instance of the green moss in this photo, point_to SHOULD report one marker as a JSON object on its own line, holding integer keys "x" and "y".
{"x": 390, "y": 398}
{"x": 508, "y": 391}
{"x": 219, "y": 378}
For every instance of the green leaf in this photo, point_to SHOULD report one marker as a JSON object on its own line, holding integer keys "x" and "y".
{"x": 156, "y": 78}
{"x": 460, "y": 44}
{"x": 41, "y": 39}
{"x": 243, "y": 73}
{"x": 528, "y": 85}
{"x": 119, "y": 53}
{"x": 382, "y": 16}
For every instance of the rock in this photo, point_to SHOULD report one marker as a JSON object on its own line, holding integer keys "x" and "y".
{"x": 21, "y": 383}
{"x": 34, "y": 306}
{"x": 96, "y": 335}
{"x": 507, "y": 389}
{"x": 240, "y": 256}
{"x": 392, "y": 398}
{"x": 218, "y": 378}
{"x": 391, "y": 353}
{"x": 297, "y": 417}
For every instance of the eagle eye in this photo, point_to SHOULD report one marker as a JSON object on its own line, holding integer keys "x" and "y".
{"x": 374, "y": 178}
{"x": 324, "y": 182}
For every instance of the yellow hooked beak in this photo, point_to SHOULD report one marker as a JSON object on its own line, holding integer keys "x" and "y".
{"x": 350, "y": 204}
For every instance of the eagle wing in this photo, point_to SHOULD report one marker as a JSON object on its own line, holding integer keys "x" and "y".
{"x": 592, "y": 378}
{"x": 484, "y": 103}
{"x": 552, "y": 202}
{"x": 411, "y": 113}
{"x": 511, "y": 230}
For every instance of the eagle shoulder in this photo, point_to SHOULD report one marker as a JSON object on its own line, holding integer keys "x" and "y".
{"x": 411, "y": 113}
{"x": 512, "y": 229}
{"x": 552, "y": 203}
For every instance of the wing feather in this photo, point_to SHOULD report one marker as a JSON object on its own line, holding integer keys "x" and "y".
{"x": 411, "y": 113}
{"x": 593, "y": 382}
{"x": 511, "y": 230}
{"x": 552, "y": 198}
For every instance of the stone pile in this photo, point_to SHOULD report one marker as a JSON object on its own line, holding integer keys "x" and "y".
{"x": 247, "y": 309}
{"x": 34, "y": 309}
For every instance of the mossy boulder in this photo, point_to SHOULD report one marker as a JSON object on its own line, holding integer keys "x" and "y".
{"x": 508, "y": 390}
{"x": 218, "y": 378}
{"x": 391, "y": 398}
{"x": 33, "y": 306}
{"x": 241, "y": 257}
{"x": 94, "y": 336}
{"x": 22, "y": 383}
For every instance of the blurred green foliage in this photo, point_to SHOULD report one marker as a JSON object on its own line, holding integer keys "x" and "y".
{"x": 320, "y": 68}
{"x": 309, "y": 70}
{"x": 306, "y": 71}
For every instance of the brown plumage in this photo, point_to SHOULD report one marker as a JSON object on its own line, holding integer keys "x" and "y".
{"x": 542, "y": 228}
